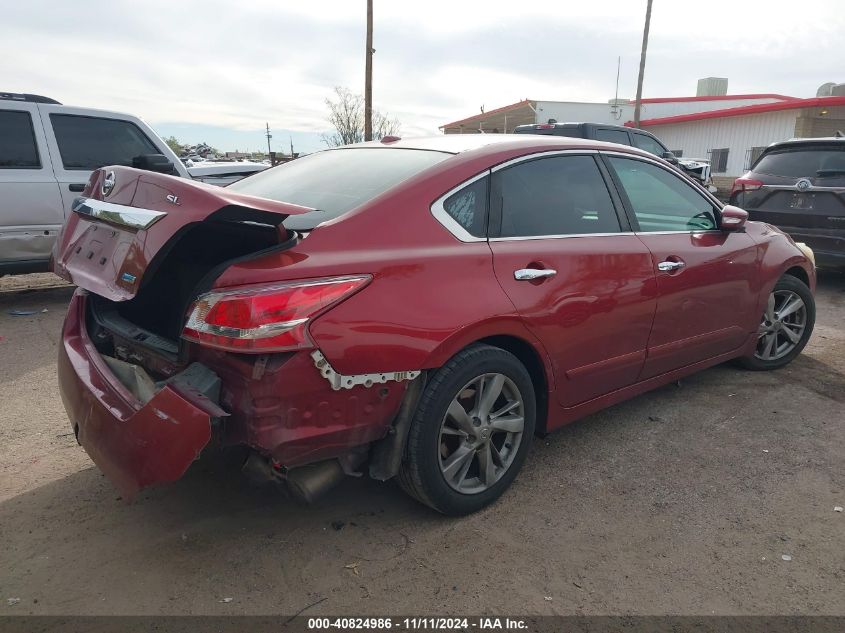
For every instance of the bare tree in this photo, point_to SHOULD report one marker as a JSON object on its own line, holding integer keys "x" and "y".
{"x": 346, "y": 115}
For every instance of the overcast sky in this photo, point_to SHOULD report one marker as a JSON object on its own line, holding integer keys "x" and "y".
{"x": 216, "y": 70}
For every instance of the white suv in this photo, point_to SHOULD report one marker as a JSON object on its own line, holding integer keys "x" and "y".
{"x": 47, "y": 152}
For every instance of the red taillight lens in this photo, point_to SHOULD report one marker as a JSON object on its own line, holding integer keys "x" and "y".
{"x": 745, "y": 184}
{"x": 265, "y": 318}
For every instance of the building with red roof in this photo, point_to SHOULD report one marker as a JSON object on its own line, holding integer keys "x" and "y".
{"x": 728, "y": 130}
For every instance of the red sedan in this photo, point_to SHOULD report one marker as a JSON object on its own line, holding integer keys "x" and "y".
{"x": 409, "y": 308}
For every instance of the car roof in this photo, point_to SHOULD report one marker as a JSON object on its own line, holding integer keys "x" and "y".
{"x": 26, "y": 98}
{"x": 565, "y": 124}
{"x": 819, "y": 140}
{"x": 461, "y": 143}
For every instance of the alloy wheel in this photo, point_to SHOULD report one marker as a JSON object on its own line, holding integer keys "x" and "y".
{"x": 782, "y": 326}
{"x": 481, "y": 433}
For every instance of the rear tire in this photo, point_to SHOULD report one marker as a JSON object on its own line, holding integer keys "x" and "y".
{"x": 471, "y": 432}
{"x": 785, "y": 327}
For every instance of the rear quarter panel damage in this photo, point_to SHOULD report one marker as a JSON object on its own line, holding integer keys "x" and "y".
{"x": 286, "y": 409}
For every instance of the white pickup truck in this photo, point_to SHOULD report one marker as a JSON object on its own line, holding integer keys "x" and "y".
{"x": 47, "y": 152}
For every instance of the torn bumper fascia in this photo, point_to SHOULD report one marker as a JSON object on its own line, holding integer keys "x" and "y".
{"x": 339, "y": 381}
{"x": 134, "y": 444}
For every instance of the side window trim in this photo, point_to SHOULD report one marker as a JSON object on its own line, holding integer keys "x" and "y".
{"x": 38, "y": 158}
{"x": 629, "y": 208}
{"x": 449, "y": 223}
{"x": 618, "y": 203}
{"x": 495, "y": 200}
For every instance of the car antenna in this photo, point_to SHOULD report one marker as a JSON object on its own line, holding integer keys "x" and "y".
{"x": 615, "y": 110}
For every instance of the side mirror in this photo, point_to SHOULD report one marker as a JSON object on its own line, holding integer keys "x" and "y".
{"x": 670, "y": 157}
{"x": 733, "y": 218}
{"x": 154, "y": 162}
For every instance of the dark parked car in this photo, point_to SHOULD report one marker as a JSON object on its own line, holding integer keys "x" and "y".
{"x": 421, "y": 306}
{"x": 696, "y": 169}
{"x": 799, "y": 186}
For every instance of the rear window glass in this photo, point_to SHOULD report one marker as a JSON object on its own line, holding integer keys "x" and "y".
{"x": 803, "y": 163}
{"x": 17, "y": 141}
{"x": 336, "y": 181}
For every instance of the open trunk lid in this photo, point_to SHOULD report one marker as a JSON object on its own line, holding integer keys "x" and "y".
{"x": 127, "y": 219}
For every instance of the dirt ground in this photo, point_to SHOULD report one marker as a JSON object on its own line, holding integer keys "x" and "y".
{"x": 682, "y": 501}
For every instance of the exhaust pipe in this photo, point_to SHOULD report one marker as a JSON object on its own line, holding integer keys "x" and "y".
{"x": 309, "y": 483}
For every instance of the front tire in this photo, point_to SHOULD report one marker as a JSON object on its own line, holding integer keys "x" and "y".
{"x": 785, "y": 327}
{"x": 471, "y": 431}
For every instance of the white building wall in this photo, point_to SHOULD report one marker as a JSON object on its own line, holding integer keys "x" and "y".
{"x": 577, "y": 112}
{"x": 659, "y": 110}
{"x": 738, "y": 133}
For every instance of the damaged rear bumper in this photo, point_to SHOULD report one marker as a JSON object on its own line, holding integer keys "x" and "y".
{"x": 136, "y": 444}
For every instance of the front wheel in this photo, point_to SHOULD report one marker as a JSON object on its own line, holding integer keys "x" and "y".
{"x": 471, "y": 431}
{"x": 785, "y": 327}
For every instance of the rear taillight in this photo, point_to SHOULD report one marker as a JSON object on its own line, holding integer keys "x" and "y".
{"x": 267, "y": 318}
{"x": 745, "y": 184}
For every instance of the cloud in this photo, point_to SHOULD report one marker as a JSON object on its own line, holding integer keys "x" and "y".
{"x": 238, "y": 65}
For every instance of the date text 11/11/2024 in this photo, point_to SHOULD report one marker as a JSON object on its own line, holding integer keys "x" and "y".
{"x": 417, "y": 624}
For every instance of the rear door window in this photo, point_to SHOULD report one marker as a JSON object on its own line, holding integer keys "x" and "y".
{"x": 612, "y": 136}
{"x": 87, "y": 143}
{"x": 660, "y": 200}
{"x": 559, "y": 195}
{"x": 803, "y": 163}
{"x": 648, "y": 144}
{"x": 17, "y": 141}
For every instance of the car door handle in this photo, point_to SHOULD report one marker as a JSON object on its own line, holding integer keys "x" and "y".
{"x": 76, "y": 187}
{"x": 669, "y": 266}
{"x": 527, "y": 274}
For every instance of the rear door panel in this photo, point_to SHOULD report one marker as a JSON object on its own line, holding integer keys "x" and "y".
{"x": 593, "y": 317}
{"x": 593, "y": 314}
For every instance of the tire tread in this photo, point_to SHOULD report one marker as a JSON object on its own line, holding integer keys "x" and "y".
{"x": 410, "y": 478}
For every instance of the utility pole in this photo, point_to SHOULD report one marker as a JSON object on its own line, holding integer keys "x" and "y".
{"x": 368, "y": 77}
{"x": 269, "y": 136}
{"x": 642, "y": 66}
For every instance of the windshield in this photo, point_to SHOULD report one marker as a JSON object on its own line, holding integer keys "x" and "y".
{"x": 336, "y": 181}
{"x": 803, "y": 163}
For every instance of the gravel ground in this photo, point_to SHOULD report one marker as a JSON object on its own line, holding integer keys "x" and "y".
{"x": 682, "y": 501}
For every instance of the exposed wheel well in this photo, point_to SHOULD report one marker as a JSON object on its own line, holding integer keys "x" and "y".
{"x": 799, "y": 273}
{"x": 528, "y": 356}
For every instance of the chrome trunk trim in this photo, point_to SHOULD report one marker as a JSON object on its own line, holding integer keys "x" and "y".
{"x": 121, "y": 215}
